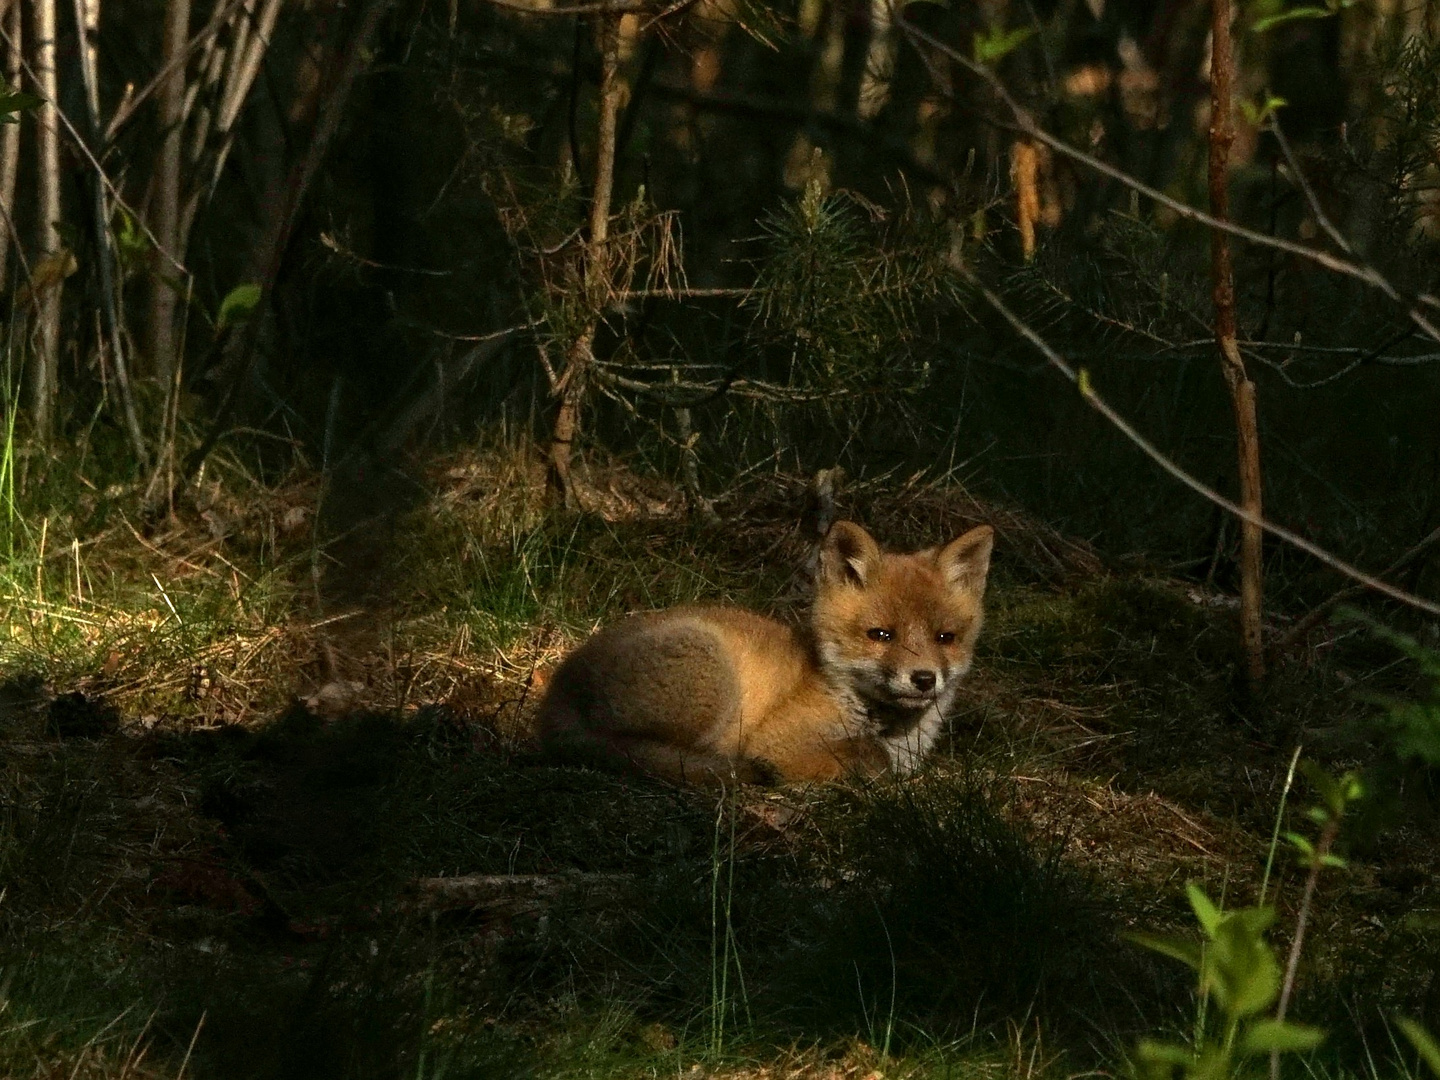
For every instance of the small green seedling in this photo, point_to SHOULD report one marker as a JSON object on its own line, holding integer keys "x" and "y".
{"x": 1238, "y": 970}
{"x": 1337, "y": 794}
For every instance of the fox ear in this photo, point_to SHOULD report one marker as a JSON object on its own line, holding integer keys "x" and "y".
{"x": 848, "y": 555}
{"x": 965, "y": 561}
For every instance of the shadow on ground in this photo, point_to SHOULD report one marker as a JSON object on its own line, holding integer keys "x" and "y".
{"x": 266, "y": 889}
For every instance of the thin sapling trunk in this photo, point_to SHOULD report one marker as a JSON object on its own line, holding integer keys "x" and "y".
{"x": 165, "y": 216}
{"x": 573, "y": 379}
{"x": 1242, "y": 390}
{"x": 10, "y": 133}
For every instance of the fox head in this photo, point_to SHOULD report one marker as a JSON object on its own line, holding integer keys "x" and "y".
{"x": 899, "y": 630}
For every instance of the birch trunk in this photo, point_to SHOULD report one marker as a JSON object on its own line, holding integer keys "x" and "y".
{"x": 230, "y": 75}
{"x": 45, "y": 359}
{"x": 165, "y": 217}
{"x": 10, "y": 133}
{"x": 87, "y": 17}
{"x": 1242, "y": 390}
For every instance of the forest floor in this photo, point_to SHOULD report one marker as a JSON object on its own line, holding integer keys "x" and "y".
{"x": 269, "y": 807}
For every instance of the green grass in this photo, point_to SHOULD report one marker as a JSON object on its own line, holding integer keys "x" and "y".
{"x": 229, "y": 869}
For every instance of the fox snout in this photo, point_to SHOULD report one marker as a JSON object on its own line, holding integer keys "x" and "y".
{"x": 908, "y": 682}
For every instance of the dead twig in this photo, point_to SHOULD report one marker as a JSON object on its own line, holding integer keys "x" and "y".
{"x": 1318, "y": 614}
{"x": 1024, "y": 124}
{"x": 1095, "y": 401}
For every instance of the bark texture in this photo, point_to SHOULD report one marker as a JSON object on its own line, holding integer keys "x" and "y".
{"x": 1242, "y": 390}
{"x": 573, "y": 379}
{"x": 45, "y": 357}
{"x": 165, "y": 217}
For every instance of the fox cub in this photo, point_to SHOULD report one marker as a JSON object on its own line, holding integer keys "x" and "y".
{"x": 706, "y": 694}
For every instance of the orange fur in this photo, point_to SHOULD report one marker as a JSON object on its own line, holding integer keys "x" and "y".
{"x": 711, "y": 694}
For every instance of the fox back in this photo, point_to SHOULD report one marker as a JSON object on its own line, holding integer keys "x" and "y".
{"x": 713, "y": 694}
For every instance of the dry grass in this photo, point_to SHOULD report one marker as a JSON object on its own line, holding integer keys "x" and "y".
{"x": 1098, "y": 740}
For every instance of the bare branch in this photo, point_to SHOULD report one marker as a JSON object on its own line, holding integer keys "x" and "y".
{"x": 1309, "y": 192}
{"x": 133, "y": 101}
{"x": 1025, "y": 124}
{"x": 1082, "y": 381}
{"x": 1320, "y": 611}
{"x": 87, "y": 16}
{"x": 110, "y": 188}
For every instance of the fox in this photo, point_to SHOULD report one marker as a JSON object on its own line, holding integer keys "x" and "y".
{"x": 718, "y": 695}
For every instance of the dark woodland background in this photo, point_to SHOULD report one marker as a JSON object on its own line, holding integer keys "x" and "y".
{"x": 467, "y": 142}
{"x": 363, "y": 357}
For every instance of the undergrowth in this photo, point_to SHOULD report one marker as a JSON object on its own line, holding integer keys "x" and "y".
{"x": 234, "y": 769}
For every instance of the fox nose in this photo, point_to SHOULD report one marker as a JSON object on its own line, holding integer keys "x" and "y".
{"x": 923, "y": 680}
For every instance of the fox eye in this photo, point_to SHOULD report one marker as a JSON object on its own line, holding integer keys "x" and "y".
{"x": 875, "y": 633}
{"x": 945, "y": 637}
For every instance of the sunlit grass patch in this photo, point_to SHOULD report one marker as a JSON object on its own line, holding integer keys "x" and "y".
{"x": 191, "y": 831}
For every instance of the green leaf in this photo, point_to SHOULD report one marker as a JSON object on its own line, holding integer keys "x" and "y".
{"x": 1204, "y": 908}
{"x": 15, "y": 101}
{"x": 1293, "y": 15}
{"x": 1263, "y": 1036}
{"x": 1150, "y": 1051}
{"x": 1423, "y": 1041}
{"x": 1239, "y": 966}
{"x": 239, "y": 302}
{"x": 1258, "y": 112}
{"x": 997, "y": 43}
{"x": 1303, "y": 846}
{"x": 1186, "y": 951}
{"x": 1162, "y": 1061}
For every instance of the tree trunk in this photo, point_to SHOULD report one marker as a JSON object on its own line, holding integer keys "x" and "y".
{"x": 344, "y": 65}
{"x": 87, "y": 17}
{"x": 45, "y": 358}
{"x": 10, "y": 133}
{"x": 573, "y": 380}
{"x": 165, "y": 213}
{"x": 215, "y": 126}
{"x": 1242, "y": 390}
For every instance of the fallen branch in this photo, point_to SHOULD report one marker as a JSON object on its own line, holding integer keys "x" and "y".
{"x": 515, "y": 894}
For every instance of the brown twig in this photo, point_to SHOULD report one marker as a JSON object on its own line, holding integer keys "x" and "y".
{"x": 1317, "y": 614}
{"x": 597, "y": 283}
{"x": 1302, "y": 919}
{"x": 1153, "y": 452}
{"x": 1242, "y": 390}
{"x": 1025, "y": 124}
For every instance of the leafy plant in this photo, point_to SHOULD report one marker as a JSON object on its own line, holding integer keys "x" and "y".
{"x": 1413, "y": 726}
{"x": 1237, "y": 968}
{"x": 239, "y": 302}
